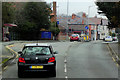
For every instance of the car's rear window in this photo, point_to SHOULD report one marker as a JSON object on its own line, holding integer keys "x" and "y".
{"x": 74, "y": 35}
{"x": 108, "y": 37}
{"x": 36, "y": 50}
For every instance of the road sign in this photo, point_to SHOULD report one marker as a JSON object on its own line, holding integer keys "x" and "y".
{"x": 86, "y": 27}
{"x": 57, "y": 22}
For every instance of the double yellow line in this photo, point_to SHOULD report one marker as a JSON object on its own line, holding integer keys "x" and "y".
{"x": 112, "y": 55}
{"x": 8, "y": 47}
{"x": 11, "y": 50}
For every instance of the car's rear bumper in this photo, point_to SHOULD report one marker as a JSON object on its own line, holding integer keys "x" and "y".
{"x": 46, "y": 67}
{"x": 74, "y": 39}
{"x": 108, "y": 40}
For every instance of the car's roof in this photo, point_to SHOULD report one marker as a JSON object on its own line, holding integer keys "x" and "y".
{"x": 37, "y": 44}
{"x": 75, "y": 34}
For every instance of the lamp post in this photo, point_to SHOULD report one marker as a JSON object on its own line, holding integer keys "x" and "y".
{"x": 88, "y": 20}
{"x": 67, "y": 19}
{"x": 88, "y": 23}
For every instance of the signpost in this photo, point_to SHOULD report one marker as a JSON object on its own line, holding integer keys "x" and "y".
{"x": 86, "y": 27}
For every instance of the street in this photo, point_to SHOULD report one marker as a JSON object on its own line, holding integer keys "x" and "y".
{"x": 76, "y": 60}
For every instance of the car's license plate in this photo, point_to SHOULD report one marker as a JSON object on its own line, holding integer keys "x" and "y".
{"x": 36, "y": 67}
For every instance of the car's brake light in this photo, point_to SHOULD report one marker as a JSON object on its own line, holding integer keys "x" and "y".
{"x": 21, "y": 60}
{"x": 52, "y": 59}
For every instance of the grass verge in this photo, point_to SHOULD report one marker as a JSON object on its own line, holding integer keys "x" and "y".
{"x": 5, "y": 60}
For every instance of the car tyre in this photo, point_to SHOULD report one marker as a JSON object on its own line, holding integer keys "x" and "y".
{"x": 20, "y": 73}
{"x": 79, "y": 40}
{"x": 70, "y": 40}
{"x": 53, "y": 73}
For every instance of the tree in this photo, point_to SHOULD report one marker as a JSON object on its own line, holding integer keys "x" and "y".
{"x": 54, "y": 29}
{"x": 31, "y": 18}
{"x": 8, "y": 12}
{"x": 38, "y": 14}
{"x": 112, "y": 11}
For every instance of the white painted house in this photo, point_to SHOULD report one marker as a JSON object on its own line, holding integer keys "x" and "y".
{"x": 103, "y": 29}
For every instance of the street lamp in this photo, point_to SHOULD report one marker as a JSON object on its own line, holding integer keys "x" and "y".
{"x": 67, "y": 18}
{"x": 88, "y": 22}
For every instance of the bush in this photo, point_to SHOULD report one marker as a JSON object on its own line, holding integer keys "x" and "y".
{"x": 113, "y": 34}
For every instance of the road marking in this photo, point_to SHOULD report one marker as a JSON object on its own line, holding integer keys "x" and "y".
{"x": 66, "y": 77}
{"x": 117, "y": 65}
{"x": 65, "y": 61}
{"x": 65, "y": 70}
{"x": 115, "y": 53}
{"x": 113, "y": 57}
{"x": 5, "y": 68}
{"x": 12, "y": 51}
{"x": 109, "y": 51}
{"x": 10, "y": 45}
{"x": 9, "y": 58}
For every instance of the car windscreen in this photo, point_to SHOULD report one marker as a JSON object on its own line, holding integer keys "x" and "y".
{"x": 74, "y": 35}
{"x": 36, "y": 50}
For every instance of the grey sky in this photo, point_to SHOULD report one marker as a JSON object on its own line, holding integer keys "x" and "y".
{"x": 76, "y": 6}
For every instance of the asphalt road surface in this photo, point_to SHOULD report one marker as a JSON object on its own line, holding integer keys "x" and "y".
{"x": 77, "y": 60}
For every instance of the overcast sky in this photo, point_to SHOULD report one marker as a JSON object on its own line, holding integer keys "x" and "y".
{"x": 76, "y": 6}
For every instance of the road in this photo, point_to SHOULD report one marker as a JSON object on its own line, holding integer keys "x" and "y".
{"x": 77, "y": 60}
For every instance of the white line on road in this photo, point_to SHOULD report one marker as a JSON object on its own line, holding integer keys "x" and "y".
{"x": 65, "y": 70}
{"x": 65, "y": 61}
{"x": 66, "y": 77}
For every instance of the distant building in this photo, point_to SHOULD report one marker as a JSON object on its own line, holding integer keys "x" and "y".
{"x": 103, "y": 30}
{"x": 77, "y": 24}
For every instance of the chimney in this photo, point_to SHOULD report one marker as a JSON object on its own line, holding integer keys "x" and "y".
{"x": 73, "y": 16}
{"x": 54, "y": 10}
{"x": 84, "y": 15}
{"x": 95, "y": 16}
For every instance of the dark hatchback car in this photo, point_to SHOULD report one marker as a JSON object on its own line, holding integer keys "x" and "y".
{"x": 37, "y": 57}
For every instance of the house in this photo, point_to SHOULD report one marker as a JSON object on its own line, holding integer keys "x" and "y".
{"x": 93, "y": 25}
{"x": 77, "y": 24}
{"x": 103, "y": 30}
